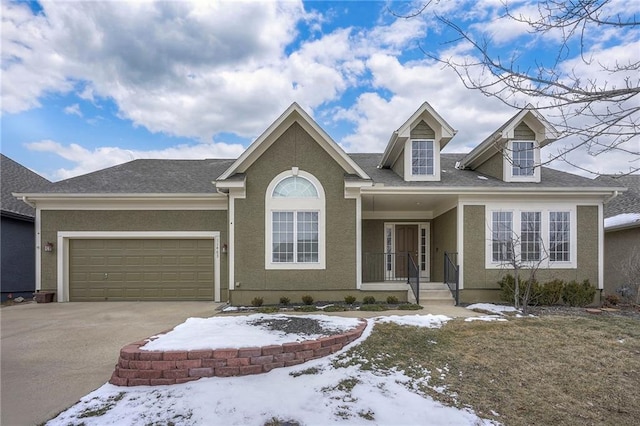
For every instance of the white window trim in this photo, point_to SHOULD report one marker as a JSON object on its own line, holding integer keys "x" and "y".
{"x": 544, "y": 231}
{"x": 408, "y": 170}
{"x": 507, "y": 167}
{"x": 298, "y": 205}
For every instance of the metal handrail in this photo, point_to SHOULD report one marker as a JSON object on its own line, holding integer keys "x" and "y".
{"x": 378, "y": 267}
{"x": 452, "y": 274}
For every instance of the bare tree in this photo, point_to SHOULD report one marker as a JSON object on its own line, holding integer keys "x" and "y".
{"x": 595, "y": 101}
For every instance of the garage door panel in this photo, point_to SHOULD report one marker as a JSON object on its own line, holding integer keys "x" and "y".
{"x": 152, "y": 269}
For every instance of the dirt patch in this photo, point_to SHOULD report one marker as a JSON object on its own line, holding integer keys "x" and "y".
{"x": 626, "y": 311}
{"x": 296, "y": 325}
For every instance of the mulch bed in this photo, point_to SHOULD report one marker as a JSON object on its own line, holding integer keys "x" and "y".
{"x": 296, "y": 325}
{"x": 627, "y": 311}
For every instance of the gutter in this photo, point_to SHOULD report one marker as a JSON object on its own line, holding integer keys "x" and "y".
{"x": 615, "y": 194}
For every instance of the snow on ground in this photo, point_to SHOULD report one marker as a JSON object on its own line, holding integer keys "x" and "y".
{"x": 429, "y": 321}
{"x": 494, "y": 309}
{"x": 486, "y": 318}
{"x": 237, "y": 332}
{"x": 621, "y": 220}
{"x": 319, "y": 394}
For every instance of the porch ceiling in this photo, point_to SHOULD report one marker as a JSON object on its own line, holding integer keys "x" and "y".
{"x": 431, "y": 205}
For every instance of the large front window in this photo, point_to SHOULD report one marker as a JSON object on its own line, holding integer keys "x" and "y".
{"x": 525, "y": 236}
{"x": 295, "y": 222}
{"x": 422, "y": 158}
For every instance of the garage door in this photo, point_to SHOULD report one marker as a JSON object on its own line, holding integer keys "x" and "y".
{"x": 151, "y": 269}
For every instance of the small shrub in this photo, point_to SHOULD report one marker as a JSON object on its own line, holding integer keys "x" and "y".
{"x": 350, "y": 300}
{"x": 368, "y": 300}
{"x": 335, "y": 308}
{"x": 268, "y": 310}
{"x": 508, "y": 288}
{"x": 257, "y": 301}
{"x": 551, "y": 292}
{"x": 392, "y": 300}
{"x": 284, "y": 300}
{"x": 373, "y": 307}
{"x": 611, "y": 300}
{"x": 409, "y": 307}
{"x": 305, "y": 308}
{"x": 307, "y": 300}
{"x": 576, "y": 294}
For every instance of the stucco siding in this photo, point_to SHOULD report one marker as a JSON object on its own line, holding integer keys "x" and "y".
{"x": 295, "y": 148}
{"x": 481, "y": 284}
{"x": 493, "y": 166}
{"x": 445, "y": 239}
{"x": 53, "y": 221}
{"x": 619, "y": 248}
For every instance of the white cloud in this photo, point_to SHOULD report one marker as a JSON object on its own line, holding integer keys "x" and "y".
{"x": 86, "y": 161}
{"x": 73, "y": 109}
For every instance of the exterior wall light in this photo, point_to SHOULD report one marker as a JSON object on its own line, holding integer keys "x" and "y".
{"x": 224, "y": 248}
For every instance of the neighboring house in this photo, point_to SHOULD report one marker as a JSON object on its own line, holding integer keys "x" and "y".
{"x": 17, "y": 250}
{"x": 296, "y": 215}
{"x": 621, "y": 234}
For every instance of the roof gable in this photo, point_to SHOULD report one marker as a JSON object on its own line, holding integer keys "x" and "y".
{"x": 443, "y": 132}
{"x": 544, "y": 131}
{"x": 293, "y": 114}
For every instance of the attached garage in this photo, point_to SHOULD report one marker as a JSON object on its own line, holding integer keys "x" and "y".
{"x": 141, "y": 269}
{"x": 138, "y": 265}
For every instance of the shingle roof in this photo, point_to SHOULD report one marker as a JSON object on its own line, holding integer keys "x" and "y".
{"x": 148, "y": 177}
{"x": 452, "y": 177}
{"x": 14, "y": 177}
{"x": 626, "y": 202}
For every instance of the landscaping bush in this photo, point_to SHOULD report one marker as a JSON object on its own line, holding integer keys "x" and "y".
{"x": 392, "y": 300}
{"x": 611, "y": 300}
{"x": 508, "y": 287}
{"x": 350, "y": 300}
{"x": 335, "y": 308}
{"x": 409, "y": 307}
{"x": 368, "y": 300}
{"x": 306, "y": 308}
{"x": 373, "y": 307}
{"x": 576, "y": 294}
{"x": 257, "y": 301}
{"x": 551, "y": 292}
{"x": 284, "y": 300}
{"x": 307, "y": 300}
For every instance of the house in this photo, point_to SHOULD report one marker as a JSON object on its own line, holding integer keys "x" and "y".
{"x": 17, "y": 238}
{"x": 622, "y": 235}
{"x": 295, "y": 215}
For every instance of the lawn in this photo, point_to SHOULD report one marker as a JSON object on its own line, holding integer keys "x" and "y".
{"x": 544, "y": 370}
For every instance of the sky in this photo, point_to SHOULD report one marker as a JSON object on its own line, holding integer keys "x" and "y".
{"x": 88, "y": 85}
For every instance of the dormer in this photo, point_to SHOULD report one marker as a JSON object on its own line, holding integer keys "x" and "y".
{"x": 512, "y": 153}
{"x": 413, "y": 151}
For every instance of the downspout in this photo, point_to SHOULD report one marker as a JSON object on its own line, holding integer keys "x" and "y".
{"x": 615, "y": 194}
{"x": 25, "y": 200}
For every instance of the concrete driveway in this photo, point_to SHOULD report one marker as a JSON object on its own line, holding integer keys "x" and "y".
{"x": 53, "y": 354}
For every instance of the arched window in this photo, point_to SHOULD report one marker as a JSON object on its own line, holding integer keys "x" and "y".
{"x": 294, "y": 222}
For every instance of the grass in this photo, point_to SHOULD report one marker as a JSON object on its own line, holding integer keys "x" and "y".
{"x": 548, "y": 370}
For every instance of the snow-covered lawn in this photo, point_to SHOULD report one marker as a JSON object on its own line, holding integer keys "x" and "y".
{"x": 315, "y": 393}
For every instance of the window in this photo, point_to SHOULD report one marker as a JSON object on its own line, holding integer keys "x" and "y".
{"x": 523, "y": 159}
{"x": 559, "y": 234}
{"x": 422, "y": 158}
{"x": 294, "y": 222}
{"x": 544, "y": 236}
{"x": 530, "y": 236}
{"x": 502, "y": 236}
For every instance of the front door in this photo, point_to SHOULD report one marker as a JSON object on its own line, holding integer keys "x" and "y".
{"x": 406, "y": 242}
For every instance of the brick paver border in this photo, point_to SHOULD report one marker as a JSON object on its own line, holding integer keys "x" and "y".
{"x": 151, "y": 368}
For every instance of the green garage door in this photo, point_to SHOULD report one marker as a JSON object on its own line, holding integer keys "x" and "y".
{"x": 150, "y": 269}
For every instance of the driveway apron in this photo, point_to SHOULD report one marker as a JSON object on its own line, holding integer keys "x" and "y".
{"x": 53, "y": 354}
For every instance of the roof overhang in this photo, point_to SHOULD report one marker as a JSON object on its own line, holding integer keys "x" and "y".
{"x": 474, "y": 190}
{"x": 444, "y": 133}
{"x": 545, "y": 134}
{"x": 293, "y": 114}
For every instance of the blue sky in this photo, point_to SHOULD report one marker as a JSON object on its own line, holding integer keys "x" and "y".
{"x": 87, "y": 85}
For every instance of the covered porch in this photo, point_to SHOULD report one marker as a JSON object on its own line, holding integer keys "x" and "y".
{"x": 409, "y": 242}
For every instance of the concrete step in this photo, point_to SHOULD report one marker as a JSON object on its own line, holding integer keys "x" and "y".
{"x": 429, "y": 294}
{"x": 439, "y": 301}
{"x": 433, "y": 286}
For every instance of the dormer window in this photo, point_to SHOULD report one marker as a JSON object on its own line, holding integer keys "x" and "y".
{"x": 521, "y": 161}
{"x": 523, "y": 158}
{"x": 422, "y": 158}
